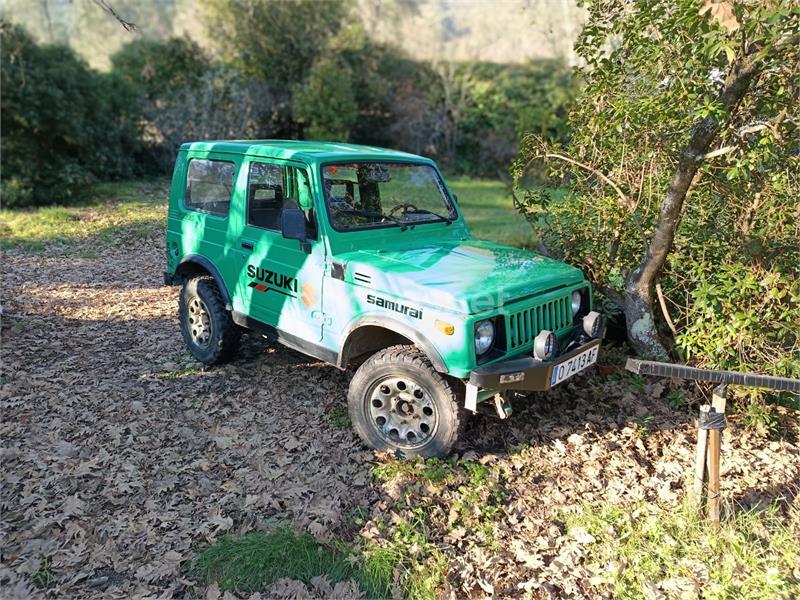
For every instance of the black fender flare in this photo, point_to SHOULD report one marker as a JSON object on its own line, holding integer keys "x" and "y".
{"x": 396, "y": 326}
{"x": 202, "y": 261}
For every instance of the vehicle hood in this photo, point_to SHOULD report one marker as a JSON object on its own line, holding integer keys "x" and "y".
{"x": 469, "y": 276}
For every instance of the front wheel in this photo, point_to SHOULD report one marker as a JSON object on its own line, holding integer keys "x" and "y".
{"x": 399, "y": 403}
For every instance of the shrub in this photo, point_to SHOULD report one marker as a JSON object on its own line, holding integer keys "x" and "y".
{"x": 730, "y": 277}
{"x": 325, "y": 103}
{"x": 157, "y": 68}
{"x": 184, "y": 96}
{"x": 275, "y": 42}
{"x": 507, "y": 102}
{"x": 64, "y": 125}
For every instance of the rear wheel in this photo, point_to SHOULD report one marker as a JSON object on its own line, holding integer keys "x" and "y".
{"x": 207, "y": 327}
{"x": 399, "y": 403}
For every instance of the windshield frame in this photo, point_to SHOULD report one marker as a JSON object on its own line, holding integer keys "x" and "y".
{"x": 452, "y": 215}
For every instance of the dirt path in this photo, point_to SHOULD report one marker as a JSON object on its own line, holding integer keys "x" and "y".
{"x": 121, "y": 457}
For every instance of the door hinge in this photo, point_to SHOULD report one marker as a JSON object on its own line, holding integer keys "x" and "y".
{"x": 318, "y": 315}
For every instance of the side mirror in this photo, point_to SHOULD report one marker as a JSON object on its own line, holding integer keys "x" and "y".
{"x": 455, "y": 198}
{"x": 293, "y": 224}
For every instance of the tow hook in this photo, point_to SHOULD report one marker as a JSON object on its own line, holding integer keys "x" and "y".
{"x": 502, "y": 406}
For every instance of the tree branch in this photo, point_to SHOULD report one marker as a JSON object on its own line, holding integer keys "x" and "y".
{"x": 127, "y": 25}
{"x": 599, "y": 174}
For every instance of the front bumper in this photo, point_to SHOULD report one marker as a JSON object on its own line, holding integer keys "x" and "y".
{"x": 524, "y": 373}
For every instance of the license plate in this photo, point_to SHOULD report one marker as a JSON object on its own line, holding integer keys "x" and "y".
{"x": 574, "y": 365}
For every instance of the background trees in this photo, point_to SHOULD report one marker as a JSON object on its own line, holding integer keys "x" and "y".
{"x": 64, "y": 125}
{"x": 683, "y": 177}
{"x": 268, "y": 69}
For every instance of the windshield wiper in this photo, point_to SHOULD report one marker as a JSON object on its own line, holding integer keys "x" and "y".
{"x": 447, "y": 220}
{"x": 378, "y": 215}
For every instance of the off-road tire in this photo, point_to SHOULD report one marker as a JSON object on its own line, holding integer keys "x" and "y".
{"x": 223, "y": 338}
{"x": 409, "y": 368}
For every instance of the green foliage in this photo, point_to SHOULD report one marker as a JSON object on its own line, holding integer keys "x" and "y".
{"x": 157, "y": 68}
{"x": 325, "y": 104}
{"x": 64, "y": 125}
{"x": 275, "y": 42}
{"x": 43, "y": 578}
{"x": 506, "y": 102}
{"x": 376, "y": 73}
{"x": 652, "y": 551}
{"x": 676, "y": 398}
{"x": 340, "y": 418}
{"x": 653, "y": 70}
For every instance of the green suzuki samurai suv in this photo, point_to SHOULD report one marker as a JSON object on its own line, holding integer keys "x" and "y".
{"x": 357, "y": 255}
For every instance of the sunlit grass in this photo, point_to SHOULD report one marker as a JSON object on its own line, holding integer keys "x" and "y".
{"x": 488, "y": 208}
{"x": 136, "y": 209}
{"x": 251, "y": 563}
{"x": 753, "y": 554}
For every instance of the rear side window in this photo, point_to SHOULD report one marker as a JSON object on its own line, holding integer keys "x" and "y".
{"x": 209, "y": 185}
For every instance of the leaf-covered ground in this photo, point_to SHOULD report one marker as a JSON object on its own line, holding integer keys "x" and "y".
{"x": 122, "y": 459}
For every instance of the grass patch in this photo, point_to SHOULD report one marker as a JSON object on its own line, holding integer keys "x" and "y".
{"x": 489, "y": 211}
{"x": 252, "y": 562}
{"x": 179, "y": 373}
{"x": 340, "y": 418}
{"x": 407, "y": 555}
{"x": 43, "y": 579}
{"x": 439, "y": 498}
{"x": 633, "y": 381}
{"x": 135, "y": 209}
{"x": 637, "y": 551}
{"x": 431, "y": 470}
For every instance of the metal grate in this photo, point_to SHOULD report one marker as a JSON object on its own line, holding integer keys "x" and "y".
{"x": 524, "y": 325}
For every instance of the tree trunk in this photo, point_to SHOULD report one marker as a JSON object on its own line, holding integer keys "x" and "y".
{"x": 638, "y": 305}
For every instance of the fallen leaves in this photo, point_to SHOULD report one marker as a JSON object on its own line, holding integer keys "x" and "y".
{"x": 121, "y": 455}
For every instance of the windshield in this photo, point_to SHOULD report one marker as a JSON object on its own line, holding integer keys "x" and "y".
{"x": 366, "y": 195}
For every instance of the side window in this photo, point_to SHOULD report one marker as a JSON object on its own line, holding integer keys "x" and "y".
{"x": 209, "y": 185}
{"x": 270, "y": 189}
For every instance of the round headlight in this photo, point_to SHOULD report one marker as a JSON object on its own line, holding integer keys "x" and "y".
{"x": 577, "y": 299}
{"x": 484, "y": 336}
{"x": 545, "y": 345}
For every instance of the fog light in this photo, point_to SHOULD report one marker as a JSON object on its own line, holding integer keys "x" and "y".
{"x": 545, "y": 345}
{"x": 593, "y": 324}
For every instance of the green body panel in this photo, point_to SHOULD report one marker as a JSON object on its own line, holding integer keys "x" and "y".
{"x": 321, "y": 291}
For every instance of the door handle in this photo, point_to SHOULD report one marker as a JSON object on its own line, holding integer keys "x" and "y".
{"x": 247, "y": 245}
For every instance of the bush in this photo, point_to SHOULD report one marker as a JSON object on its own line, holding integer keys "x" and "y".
{"x": 275, "y": 42}
{"x": 157, "y": 68}
{"x": 183, "y": 96}
{"x": 64, "y": 125}
{"x": 507, "y": 102}
{"x": 325, "y": 104}
{"x": 730, "y": 279}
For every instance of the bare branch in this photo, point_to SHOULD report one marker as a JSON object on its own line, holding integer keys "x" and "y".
{"x": 662, "y": 301}
{"x": 719, "y": 152}
{"x": 127, "y": 25}
{"x": 599, "y": 174}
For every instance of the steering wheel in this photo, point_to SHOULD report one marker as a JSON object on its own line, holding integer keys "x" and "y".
{"x": 404, "y": 207}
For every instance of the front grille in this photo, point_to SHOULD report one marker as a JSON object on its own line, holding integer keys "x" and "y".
{"x": 524, "y": 325}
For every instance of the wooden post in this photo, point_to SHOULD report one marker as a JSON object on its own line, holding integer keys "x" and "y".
{"x": 699, "y": 482}
{"x": 714, "y": 442}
